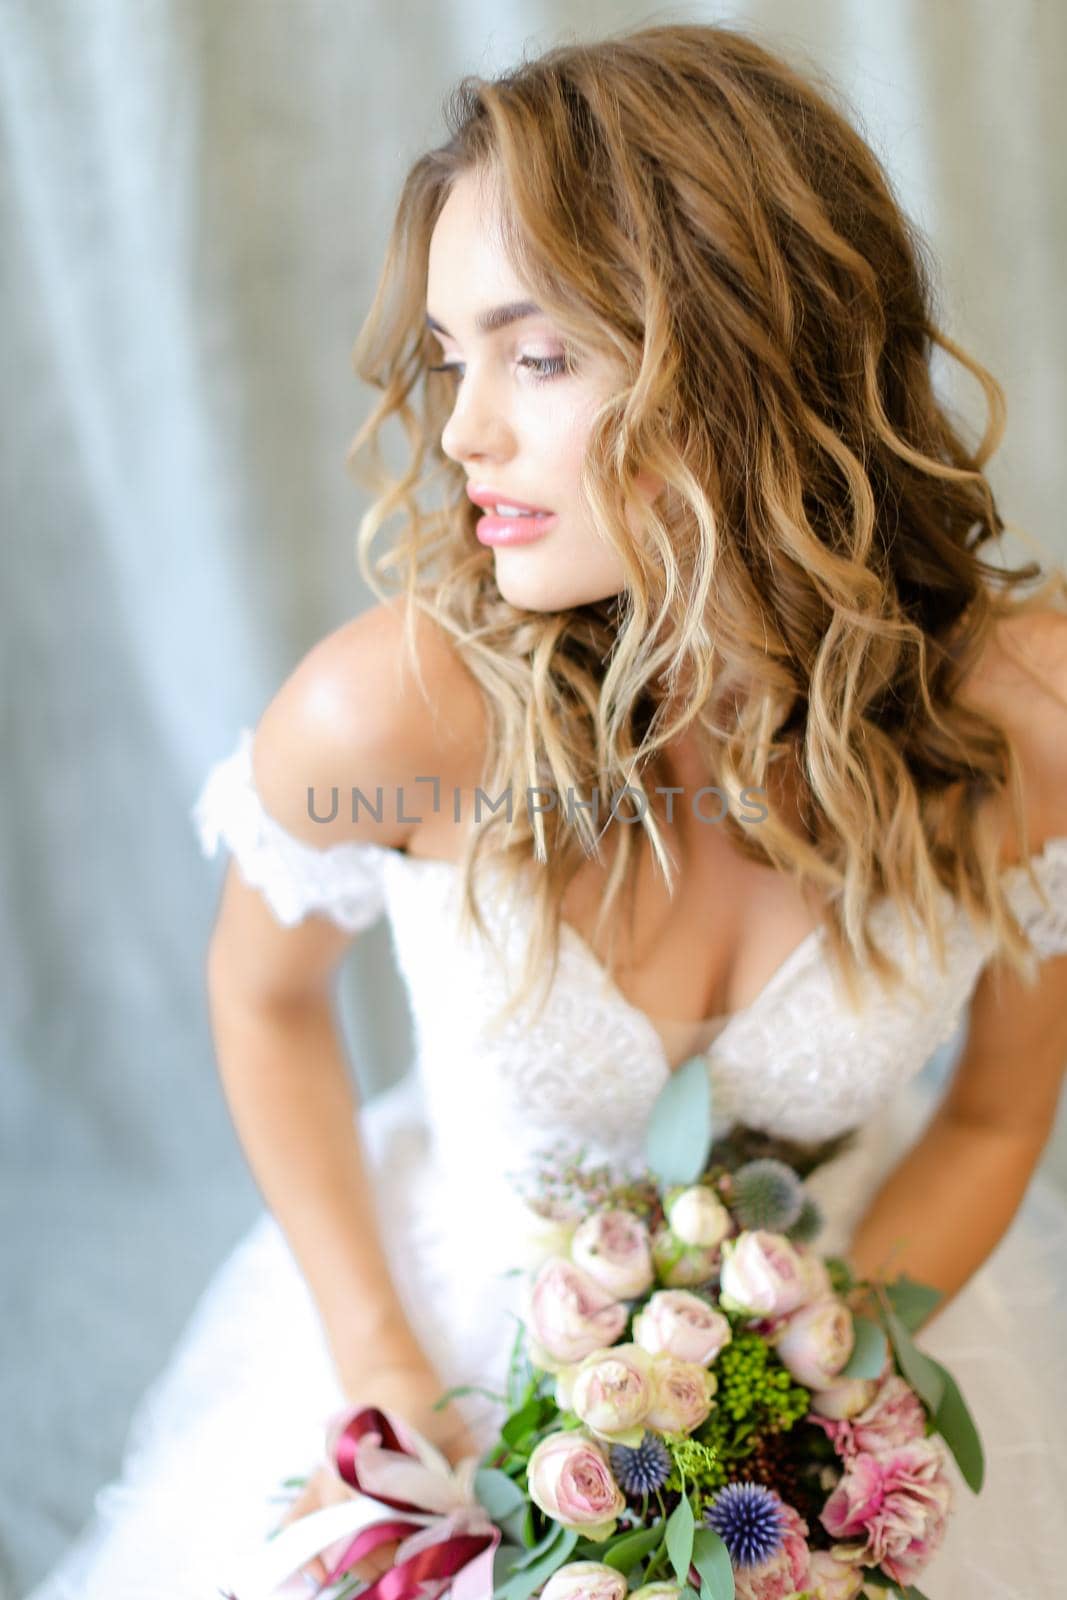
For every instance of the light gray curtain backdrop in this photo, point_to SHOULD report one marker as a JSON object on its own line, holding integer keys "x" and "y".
{"x": 195, "y": 197}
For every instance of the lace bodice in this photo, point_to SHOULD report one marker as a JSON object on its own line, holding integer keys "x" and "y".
{"x": 797, "y": 1062}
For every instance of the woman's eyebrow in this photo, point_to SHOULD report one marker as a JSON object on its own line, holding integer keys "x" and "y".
{"x": 495, "y": 317}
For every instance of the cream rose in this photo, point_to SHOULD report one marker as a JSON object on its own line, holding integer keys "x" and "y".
{"x": 844, "y": 1397}
{"x": 682, "y": 1395}
{"x": 679, "y": 1324}
{"x": 613, "y": 1248}
{"x": 611, "y": 1391}
{"x": 585, "y": 1580}
{"x": 569, "y": 1478}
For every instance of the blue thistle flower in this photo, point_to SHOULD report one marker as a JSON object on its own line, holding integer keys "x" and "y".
{"x": 642, "y": 1470}
{"x": 808, "y": 1224}
{"x": 767, "y": 1194}
{"x": 748, "y": 1520}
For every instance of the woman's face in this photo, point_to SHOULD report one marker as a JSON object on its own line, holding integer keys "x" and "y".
{"x": 520, "y": 421}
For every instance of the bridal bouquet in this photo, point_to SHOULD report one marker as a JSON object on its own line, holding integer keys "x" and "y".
{"x": 700, "y": 1407}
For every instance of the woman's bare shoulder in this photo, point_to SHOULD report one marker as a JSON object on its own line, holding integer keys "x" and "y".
{"x": 355, "y": 713}
{"x": 1021, "y": 681}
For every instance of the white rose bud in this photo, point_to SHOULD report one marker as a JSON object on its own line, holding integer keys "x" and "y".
{"x": 698, "y": 1217}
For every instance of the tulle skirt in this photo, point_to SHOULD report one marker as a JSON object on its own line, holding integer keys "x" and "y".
{"x": 242, "y": 1403}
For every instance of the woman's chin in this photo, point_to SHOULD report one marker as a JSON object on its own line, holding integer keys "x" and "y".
{"x": 534, "y": 586}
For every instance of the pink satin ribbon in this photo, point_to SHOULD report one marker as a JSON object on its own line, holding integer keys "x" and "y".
{"x": 449, "y": 1541}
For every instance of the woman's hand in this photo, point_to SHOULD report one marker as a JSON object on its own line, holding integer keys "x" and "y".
{"x": 409, "y": 1389}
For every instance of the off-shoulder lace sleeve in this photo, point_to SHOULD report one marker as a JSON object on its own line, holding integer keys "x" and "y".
{"x": 342, "y": 881}
{"x": 1045, "y": 925}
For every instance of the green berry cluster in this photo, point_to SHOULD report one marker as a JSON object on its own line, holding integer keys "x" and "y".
{"x": 753, "y": 1385}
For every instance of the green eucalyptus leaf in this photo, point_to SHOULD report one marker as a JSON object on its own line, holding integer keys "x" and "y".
{"x": 912, "y": 1301}
{"x": 506, "y": 1557}
{"x": 551, "y": 1538}
{"x": 868, "y": 1352}
{"x": 956, "y": 1426}
{"x": 680, "y": 1526}
{"x": 513, "y": 1526}
{"x": 712, "y": 1560}
{"x": 624, "y": 1553}
{"x": 527, "y": 1581}
{"x": 521, "y": 1422}
{"x": 499, "y": 1494}
{"x": 924, "y": 1375}
{"x": 679, "y": 1131}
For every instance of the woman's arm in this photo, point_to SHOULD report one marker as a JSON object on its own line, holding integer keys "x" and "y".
{"x": 944, "y": 1208}
{"x": 285, "y": 1076}
{"x": 351, "y": 714}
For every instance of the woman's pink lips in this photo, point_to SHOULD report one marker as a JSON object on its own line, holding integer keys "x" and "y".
{"x": 512, "y": 530}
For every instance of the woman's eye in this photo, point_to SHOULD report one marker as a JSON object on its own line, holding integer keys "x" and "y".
{"x": 541, "y": 366}
{"x": 544, "y": 366}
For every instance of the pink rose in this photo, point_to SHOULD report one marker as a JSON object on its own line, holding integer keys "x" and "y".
{"x": 816, "y": 1342}
{"x": 681, "y": 1396}
{"x": 585, "y": 1580}
{"x": 762, "y": 1275}
{"x": 898, "y": 1502}
{"x": 613, "y": 1248}
{"x": 844, "y": 1397}
{"x": 570, "y": 1315}
{"x": 893, "y": 1416}
{"x": 612, "y": 1391}
{"x": 569, "y": 1478}
{"x": 831, "y": 1579}
{"x": 786, "y": 1571}
{"x": 677, "y": 1323}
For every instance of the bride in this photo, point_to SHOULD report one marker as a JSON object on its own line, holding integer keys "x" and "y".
{"x": 697, "y": 725}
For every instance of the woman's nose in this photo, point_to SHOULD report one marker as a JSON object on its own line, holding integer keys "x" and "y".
{"x": 475, "y": 428}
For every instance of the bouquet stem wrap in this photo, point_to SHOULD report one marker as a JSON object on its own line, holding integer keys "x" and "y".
{"x": 446, "y": 1537}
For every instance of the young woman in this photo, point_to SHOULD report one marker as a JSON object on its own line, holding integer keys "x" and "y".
{"x": 703, "y": 553}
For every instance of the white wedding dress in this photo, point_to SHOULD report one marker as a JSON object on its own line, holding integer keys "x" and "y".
{"x": 242, "y": 1401}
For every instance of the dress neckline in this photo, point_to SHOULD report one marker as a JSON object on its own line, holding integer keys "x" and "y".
{"x": 724, "y": 1022}
{"x": 719, "y": 1025}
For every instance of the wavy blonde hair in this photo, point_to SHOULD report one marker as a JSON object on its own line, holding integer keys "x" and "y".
{"x": 808, "y": 595}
